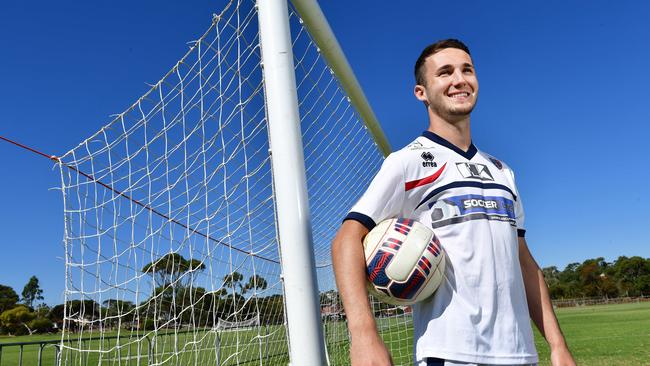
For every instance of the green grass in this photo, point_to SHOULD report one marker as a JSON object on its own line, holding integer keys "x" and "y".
{"x": 200, "y": 348}
{"x": 604, "y": 334}
{"x": 612, "y": 335}
{"x": 597, "y": 335}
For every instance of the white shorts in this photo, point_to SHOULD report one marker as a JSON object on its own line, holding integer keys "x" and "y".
{"x": 440, "y": 362}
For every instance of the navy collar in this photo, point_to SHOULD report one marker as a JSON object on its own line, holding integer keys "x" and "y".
{"x": 469, "y": 154}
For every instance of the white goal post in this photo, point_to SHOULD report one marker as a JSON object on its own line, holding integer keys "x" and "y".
{"x": 294, "y": 221}
{"x": 198, "y": 221}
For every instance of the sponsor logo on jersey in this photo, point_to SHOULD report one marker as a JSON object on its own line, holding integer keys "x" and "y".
{"x": 482, "y": 204}
{"x": 474, "y": 170}
{"x": 453, "y": 210}
{"x": 428, "y": 160}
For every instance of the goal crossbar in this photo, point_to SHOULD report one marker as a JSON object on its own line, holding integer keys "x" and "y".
{"x": 322, "y": 33}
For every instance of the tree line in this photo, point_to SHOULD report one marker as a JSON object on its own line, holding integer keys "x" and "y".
{"x": 626, "y": 276}
{"x": 21, "y": 315}
{"x": 175, "y": 302}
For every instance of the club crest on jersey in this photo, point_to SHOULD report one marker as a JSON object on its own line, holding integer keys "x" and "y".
{"x": 496, "y": 163}
{"x": 428, "y": 160}
{"x": 474, "y": 170}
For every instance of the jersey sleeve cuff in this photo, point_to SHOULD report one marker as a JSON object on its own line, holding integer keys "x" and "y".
{"x": 365, "y": 220}
{"x": 521, "y": 233}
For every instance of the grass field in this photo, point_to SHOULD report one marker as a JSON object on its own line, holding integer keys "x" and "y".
{"x": 240, "y": 347}
{"x": 604, "y": 334}
{"x": 597, "y": 335}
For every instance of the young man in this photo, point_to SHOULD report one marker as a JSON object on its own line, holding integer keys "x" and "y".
{"x": 480, "y": 314}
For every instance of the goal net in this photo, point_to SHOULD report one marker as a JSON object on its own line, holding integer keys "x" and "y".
{"x": 244, "y": 324}
{"x": 171, "y": 242}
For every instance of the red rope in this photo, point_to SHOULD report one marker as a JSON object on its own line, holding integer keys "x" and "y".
{"x": 51, "y": 157}
{"x": 91, "y": 178}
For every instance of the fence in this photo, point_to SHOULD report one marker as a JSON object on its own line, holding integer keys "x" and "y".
{"x": 156, "y": 351}
{"x": 588, "y": 301}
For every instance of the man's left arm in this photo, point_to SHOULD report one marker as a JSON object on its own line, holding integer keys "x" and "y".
{"x": 540, "y": 307}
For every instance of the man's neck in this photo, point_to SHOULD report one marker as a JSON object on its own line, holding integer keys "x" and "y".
{"x": 457, "y": 132}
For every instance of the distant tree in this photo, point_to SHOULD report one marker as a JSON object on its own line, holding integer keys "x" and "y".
{"x": 77, "y": 312}
{"x": 171, "y": 268}
{"x": 607, "y": 286}
{"x": 8, "y": 298}
{"x": 160, "y": 305}
{"x": 233, "y": 280}
{"x": 272, "y": 309}
{"x": 40, "y": 325}
{"x": 560, "y": 291}
{"x": 86, "y": 309}
{"x": 42, "y": 310}
{"x": 204, "y": 305}
{"x": 330, "y": 297}
{"x": 642, "y": 286}
{"x": 570, "y": 280}
{"x": 596, "y": 278}
{"x": 117, "y": 311}
{"x": 221, "y": 292}
{"x": 56, "y": 315}
{"x": 551, "y": 275}
{"x": 570, "y": 274}
{"x": 255, "y": 282}
{"x": 117, "y": 307}
{"x": 32, "y": 292}
{"x": 630, "y": 274}
{"x": 590, "y": 277}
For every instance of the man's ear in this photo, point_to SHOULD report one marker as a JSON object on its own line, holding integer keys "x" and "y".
{"x": 420, "y": 93}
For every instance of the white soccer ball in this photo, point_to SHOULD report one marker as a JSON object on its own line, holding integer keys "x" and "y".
{"x": 405, "y": 261}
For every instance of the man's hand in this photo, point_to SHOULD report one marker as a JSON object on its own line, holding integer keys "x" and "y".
{"x": 562, "y": 357}
{"x": 369, "y": 351}
{"x": 541, "y": 309}
{"x": 366, "y": 347}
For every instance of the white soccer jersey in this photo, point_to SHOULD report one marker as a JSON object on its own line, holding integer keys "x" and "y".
{"x": 479, "y": 314}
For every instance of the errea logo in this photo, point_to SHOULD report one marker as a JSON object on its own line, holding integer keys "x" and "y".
{"x": 428, "y": 160}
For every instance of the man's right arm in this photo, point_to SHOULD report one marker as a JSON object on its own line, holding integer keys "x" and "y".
{"x": 367, "y": 347}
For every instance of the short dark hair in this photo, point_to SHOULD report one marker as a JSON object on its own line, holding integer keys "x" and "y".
{"x": 433, "y": 49}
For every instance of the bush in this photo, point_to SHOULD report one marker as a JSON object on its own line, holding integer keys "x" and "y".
{"x": 41, "y": 325}
{"x": 13, "y": 321}
{"x": 148, "y": 324}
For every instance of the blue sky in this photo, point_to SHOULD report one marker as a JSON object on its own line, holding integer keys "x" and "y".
{"x": 564, "y": 100}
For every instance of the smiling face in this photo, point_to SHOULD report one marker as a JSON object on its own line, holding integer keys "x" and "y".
{"x": 450, "y": 87}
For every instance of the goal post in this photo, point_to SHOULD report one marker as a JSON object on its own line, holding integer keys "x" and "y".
{"x": 294, "y": 221}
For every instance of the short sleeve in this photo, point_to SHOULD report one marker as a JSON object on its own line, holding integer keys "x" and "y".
{"x": 384, "y": 197}
{"x": 519, "y": 209}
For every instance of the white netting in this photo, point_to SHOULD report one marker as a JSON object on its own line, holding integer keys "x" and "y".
{"x": 170, "y": 229}
{"x": 244, "y": 324}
